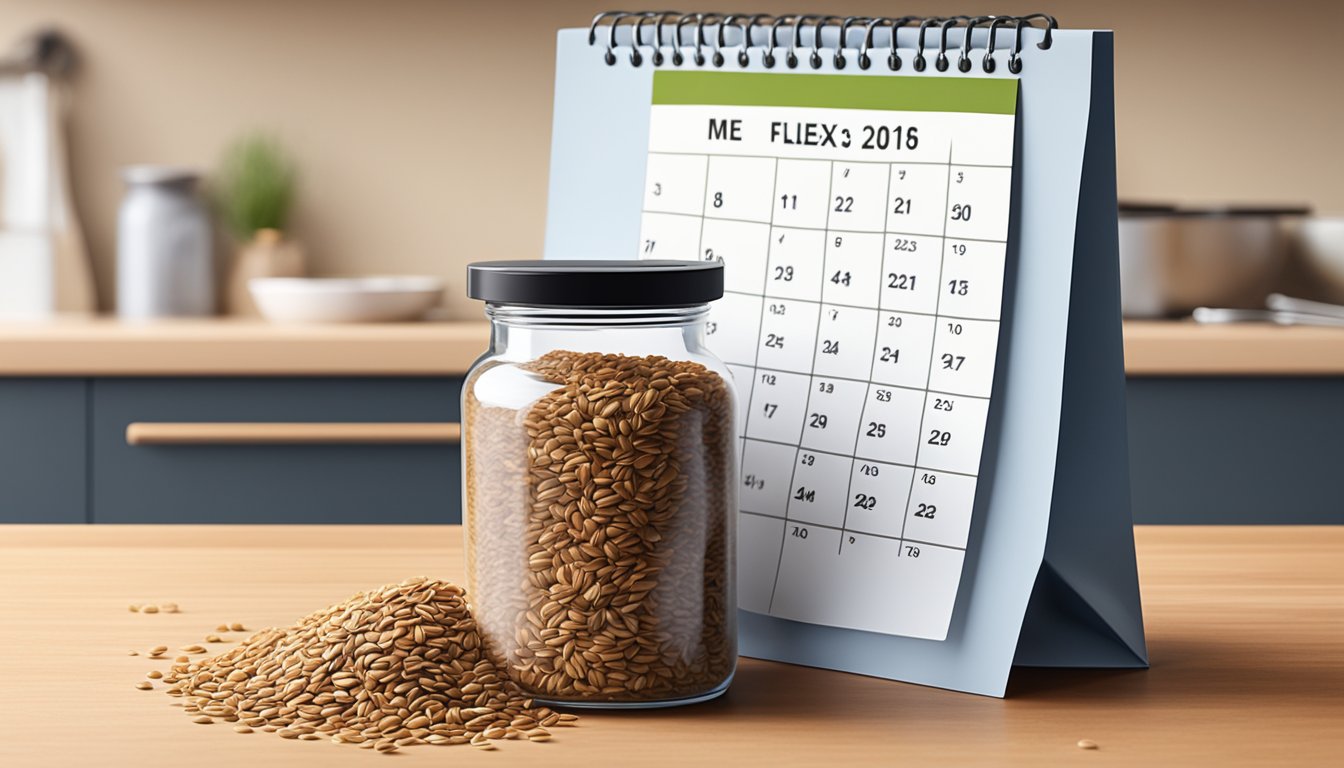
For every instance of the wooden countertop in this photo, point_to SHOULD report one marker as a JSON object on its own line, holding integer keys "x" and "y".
{"x": 1244, "y": 628}
{"x": 105, "y": 347}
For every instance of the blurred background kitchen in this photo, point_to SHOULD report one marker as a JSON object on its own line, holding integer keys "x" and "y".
{"x": 213, "y": 142}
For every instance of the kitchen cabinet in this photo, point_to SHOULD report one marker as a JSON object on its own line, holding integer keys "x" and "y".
{"x": 1237, "y": 450}
{"x": 1227, "y": 424}
{"x": 43, "y": 469}
{"x": 205, "y": 479}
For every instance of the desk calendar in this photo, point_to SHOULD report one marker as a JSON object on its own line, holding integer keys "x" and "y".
{"x": 917, "y": 222}
{"x": 864, "y": 254}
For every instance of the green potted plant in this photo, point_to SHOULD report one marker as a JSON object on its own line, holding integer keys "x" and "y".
{"x": 255, "y": 193}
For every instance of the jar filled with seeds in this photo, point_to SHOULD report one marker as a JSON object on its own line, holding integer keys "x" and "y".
{"x": 600, "y": 468}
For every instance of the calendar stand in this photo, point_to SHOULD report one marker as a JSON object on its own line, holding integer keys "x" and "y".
{"x": 1035, "y": 565}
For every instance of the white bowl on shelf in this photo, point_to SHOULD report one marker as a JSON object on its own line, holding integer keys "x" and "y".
{"x": 1320, "y": 246}
{"x": 345, "y": 299}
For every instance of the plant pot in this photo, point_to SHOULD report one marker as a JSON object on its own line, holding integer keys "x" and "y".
{"x": 268, "y": 254}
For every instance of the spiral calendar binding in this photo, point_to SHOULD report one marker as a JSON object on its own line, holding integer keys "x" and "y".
{"x": 736, "y": 35}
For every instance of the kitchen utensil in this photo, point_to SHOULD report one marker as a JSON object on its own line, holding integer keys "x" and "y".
{"x": 1175, "y": 259}
{"x": 1319, "y": 246}
{"x": 44, "y": 266}
{"x": 164, "y": 266}
{"x": 1281, "y": 310}
{"x": 345, "y": 300}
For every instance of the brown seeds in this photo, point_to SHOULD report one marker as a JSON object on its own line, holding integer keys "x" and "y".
{"x": 202, "y": 720}
{"x": 154, "y": 674}
{"x": 144, "y": 685}
{"x": 598, "y": 517}
{"x": 158, "y": 651}
{"x": 237, "y": 627}
{"x": 149, "y": 609}
{"x": 1087, "y": 744}
{"x": 213, "y": 639}
{"x": 403, "y": 665}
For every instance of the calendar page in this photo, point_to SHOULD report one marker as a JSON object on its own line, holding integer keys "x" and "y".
{"x": 863, "y": 223}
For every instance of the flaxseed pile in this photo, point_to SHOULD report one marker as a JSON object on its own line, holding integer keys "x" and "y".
{"x": 394, "y": 667}
{"x": 600, "y": 522}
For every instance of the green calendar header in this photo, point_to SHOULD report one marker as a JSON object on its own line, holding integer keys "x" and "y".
{"x": 993, "y": 96}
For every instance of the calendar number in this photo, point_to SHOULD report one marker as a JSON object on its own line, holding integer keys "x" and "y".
{"x": 768, "y": 378}
{"x": 958, "y": 248}
{"x": 817, "y": 420}
{"x": 774, "y": 341}
{"x": 844, "y": 204}
{"x": 718, "y": 199}
{"x": 961, "y": 212}
{"x": 876, "y": 430}
{"x": 884, "y": 395}
{"x": 657, "y": 189}
{"x": 788, "y": 202}
{"x": 926, "y": 510}
{"x": 777, "y": 309}
{"x": 805, "y": 494}
{"x": 869, "y": 470}
{"x": 840, "y": 278}
{"x": 939, "y": 437}
{"x": 829, "y": 347}
{"x": 942, "y": 404}
{"x": 784, "y": 273}
{"x": 807, "y": 460}
{"x": 958, "y": 287}
{"x": 769, "y": 410}
{"x": 890, "y": 355}
{"x": 826, "y": 387}
{"x": 895, "y": 321}
{"x": 864, "y": 501}
{"x": 799, "y": 532}
{"x": 954, "y": 329}
{"x": 912, "y": 551}
{"x": 902, "y": 205}
{"x": 953, "y": 362}
{"x": 901, "y": 282}
{"x": 928, "y": 478}
{"x": 905, "y": 246}
{"x": 648, "y": 246}
{"x": 753, "y": 482}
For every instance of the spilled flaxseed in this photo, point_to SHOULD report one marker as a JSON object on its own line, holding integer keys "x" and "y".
{"x": 398, "y": 666}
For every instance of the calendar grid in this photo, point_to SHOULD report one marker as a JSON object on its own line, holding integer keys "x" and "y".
{"x": 933, "y": 347}
{"x": 864, "y": 533}
{"x": 870, "y": 381}
{"x": 872, "y": 363}
{"x": 868, "y": 459}
{"x": 802, "y": 429}
{"x": 834, "y": 323}
{"x": 842, "y": 231}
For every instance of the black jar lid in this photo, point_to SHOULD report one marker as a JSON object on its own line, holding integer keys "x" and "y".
{"x": 626, "y": 284}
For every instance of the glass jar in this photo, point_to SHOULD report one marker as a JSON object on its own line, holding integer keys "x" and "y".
{"x": 599, "y": 482}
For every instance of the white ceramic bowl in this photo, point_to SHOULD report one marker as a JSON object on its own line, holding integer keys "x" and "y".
{"x": 1320, "y": 246}
{"x": 345, "y": 299}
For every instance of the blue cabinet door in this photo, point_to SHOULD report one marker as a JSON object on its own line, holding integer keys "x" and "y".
{"x": 372, "y": 483}
{"x": 43, "y": 451}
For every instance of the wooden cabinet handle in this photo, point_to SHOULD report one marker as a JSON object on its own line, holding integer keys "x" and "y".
{"x": 278, "y": 433}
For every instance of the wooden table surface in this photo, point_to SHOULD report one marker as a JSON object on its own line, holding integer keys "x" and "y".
{"x": 1245, "y": 628}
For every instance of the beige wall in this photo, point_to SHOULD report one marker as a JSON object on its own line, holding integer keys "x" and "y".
{"x": 424, "y": 145}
